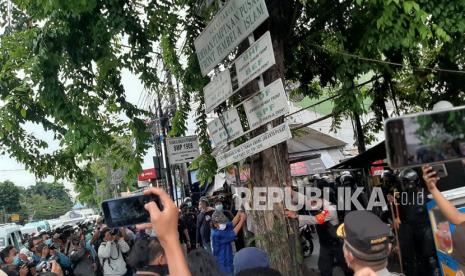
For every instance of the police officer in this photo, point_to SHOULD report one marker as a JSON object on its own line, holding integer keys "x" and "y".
{"x": 415, "y": 234}
{"x": 323, "y": 215}
{"x": 366, "y": 243}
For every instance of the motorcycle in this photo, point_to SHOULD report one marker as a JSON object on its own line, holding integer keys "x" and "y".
{"x": 306, "y": 240}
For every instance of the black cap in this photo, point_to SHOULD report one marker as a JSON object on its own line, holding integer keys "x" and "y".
{"x": 366, "y": 233}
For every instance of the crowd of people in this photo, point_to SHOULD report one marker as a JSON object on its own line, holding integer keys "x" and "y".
{"x": 186, "y": 240}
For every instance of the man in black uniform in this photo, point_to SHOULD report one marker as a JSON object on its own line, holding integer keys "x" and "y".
{"x": 203, "y": 224}
{"x": 324, "y": 216}
{"x": 415, "y": 234}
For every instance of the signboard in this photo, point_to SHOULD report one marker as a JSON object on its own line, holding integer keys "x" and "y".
{"x": 232, "y": 24}
{"x": 218, "y": 90}
{"x": 182, "y": 149}
{"x": 258, "y": 58}
{"x": 233, "y": 128}
{"x": 14, "y": 217}
{"x": 255, "y": 145}
{"x": 267, "y": 105}
{"x": 116, "y": 176}
{"x": 147, "y": 175}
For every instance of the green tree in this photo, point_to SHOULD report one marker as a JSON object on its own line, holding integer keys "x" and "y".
{"x": 46, "y": 200}
{"x": 40, "y": 207}
{"x": 9, "y": 197}
{"x": 98, "y": 186}
{"x": 61, "y": 63}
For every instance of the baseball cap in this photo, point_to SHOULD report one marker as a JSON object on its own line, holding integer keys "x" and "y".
{"x": 250, "y": 257}
{"x": 219, "y": 217}
{"x": 367, "y": 234}
{"x": 458, "y": 243}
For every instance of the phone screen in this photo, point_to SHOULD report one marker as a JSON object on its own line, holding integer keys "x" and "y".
{"x": 127, "y": 210}
{"x": 426, "y": 138}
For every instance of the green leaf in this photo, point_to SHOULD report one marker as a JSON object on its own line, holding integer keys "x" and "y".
{"x": 23, "y": 113}
{"x": 408, "y": 5}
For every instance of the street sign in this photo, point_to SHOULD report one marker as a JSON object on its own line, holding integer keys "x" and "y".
{"x": 258, "y": 58}
{"x": 182, "y": 149}
{"x": 147, "y": 174}
{"x": 116, "y": 176}
{"x": 257, "y": 144}
{"x": 232, "y": 24}
{"x": 233, "y": 126}
{"x": 218, "y": 90}
{"x": 14, "y": 217}
{"x": 267, "y": 105}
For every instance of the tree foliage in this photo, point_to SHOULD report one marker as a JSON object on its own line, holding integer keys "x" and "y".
{"x": 41, "y": 201}
{"x": 61, "y": 67}
{"x": 9, "y": 197}
{"x": 117, "y": 158}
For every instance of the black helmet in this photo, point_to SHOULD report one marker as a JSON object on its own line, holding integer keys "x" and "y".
{"x": 347, "y": 180}
{"x": 388, "y": 174}
{"x": 409, "y": 179}
{"x": 409, "y": 175}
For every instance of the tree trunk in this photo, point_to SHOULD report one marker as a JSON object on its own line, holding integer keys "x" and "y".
{"x": 274, "y": 233}
{"x": 359, "y": 133}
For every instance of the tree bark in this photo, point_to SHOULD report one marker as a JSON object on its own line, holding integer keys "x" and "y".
{"x": 274, "y": 233}
{"x": 359, "y": 133}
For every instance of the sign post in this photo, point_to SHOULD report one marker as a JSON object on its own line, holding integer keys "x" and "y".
{"x": 269, "y": 104}
{"x": 255, "y": 145}
{"x": 218, "y": 90}
{"x": 226, "y": 128}
{"x": 182, "y": 149}
{"x": 258, "y": 58}
{"x": 232, "y": 24}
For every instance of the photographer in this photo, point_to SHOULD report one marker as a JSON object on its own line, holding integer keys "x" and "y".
{"x": 8, "y": 256}
{"x": 82, "y": 257}
{"x": 111, "y": 252}
{"x": 49, "y": 254}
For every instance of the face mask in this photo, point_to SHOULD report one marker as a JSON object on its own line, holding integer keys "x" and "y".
{"x": 189, "y": 204}
{"x": 219, "y": 207}
{"x": 17, "y": 261}
{"x": 222, "y": 227}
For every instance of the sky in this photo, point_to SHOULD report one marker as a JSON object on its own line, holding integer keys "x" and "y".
{"x": 14, "y": 171}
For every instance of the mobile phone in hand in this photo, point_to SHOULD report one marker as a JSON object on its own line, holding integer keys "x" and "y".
{"x": 432, "y": 137}
{"x": 130, "y": 210}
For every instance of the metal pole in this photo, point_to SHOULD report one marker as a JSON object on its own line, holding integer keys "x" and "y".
{"x": 396, "y": 232}
{"x": 165, "y": 153}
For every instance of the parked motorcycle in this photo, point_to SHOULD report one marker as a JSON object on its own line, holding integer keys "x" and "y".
{"x": 306, "y": 240}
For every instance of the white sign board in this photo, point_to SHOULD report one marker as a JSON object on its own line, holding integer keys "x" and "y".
{"x": 258, "y": 58}
{"x": 182, "y": 149}
{"x": 269, "y": 104}
{"x": 218, "y": 90}
{"x": 233, "y": 126}
{"x": 232, "y": 24}
{"x": 257, "y": 144}
{"x": 116, "y": 176}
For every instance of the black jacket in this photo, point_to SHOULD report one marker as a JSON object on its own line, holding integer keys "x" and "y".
{"x": 203, "y": 227}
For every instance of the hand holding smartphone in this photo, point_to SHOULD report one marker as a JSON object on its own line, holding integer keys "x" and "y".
{"x": 426, "y": 138}
{"x": 127, "y": 211}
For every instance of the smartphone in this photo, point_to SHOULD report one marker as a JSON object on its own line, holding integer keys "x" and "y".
{"x": 440, "y": 170}
{"x": 130, "y": 210}
{"x": 426, "y": 138}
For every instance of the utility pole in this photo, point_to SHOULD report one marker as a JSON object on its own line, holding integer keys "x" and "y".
{"x": 163, "y": 121}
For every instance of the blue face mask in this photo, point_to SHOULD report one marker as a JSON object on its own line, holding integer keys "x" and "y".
{"x": 219, "y": 207}
{"x": 17, "y": 261}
